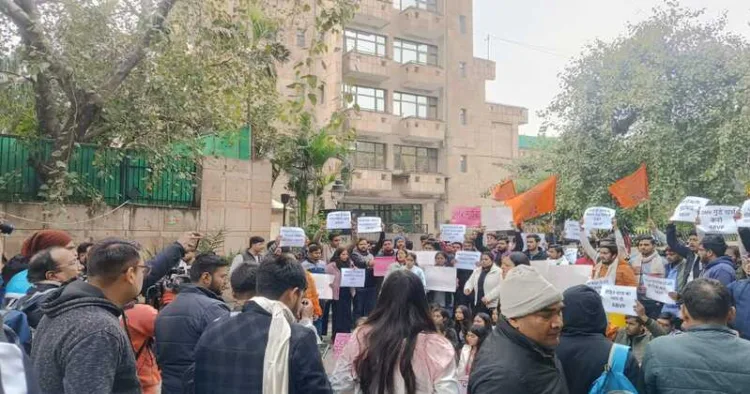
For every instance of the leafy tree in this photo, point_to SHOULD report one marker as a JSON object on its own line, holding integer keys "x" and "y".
{"x": 673, "y": 93}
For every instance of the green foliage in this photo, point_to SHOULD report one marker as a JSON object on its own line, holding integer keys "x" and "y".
{"x": 673, "y": 93}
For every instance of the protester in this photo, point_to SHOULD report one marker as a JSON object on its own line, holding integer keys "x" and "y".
{"x": 442, "y": 319}
{"x": 611, "y": 266}
{"x": 675, "y": 267}
{"x": 518, "y": 356}
{"x": 410, "y": 264}
{"x": 243, "y": 283}
{"x": 647, "y": 262}
{"x": 740, "y": 292}
{"x": 708, "y": 357}
{"x": 483, "y": 283}
{"x": 513, "y": 260}
{"x": 79, "y": 346}
{"x": 83, "y": 251}
{"x": 483, "y": 320}
{"x": 667, "y": 322}
{"x": 463, "y": 321}
{"x": 263, "y": 349}
{"x": 181, "y": 323}
{"x": 534, "y": 250}
{"x": 692, "y": 267}
{"x": 313, "y": 262}
{"x": 342, "y": 296}
{"x": 715, "y": 264}
{"x": 252, "y": 255}
{"x": 743, "y": 272}
{"x": 584, "y": 349}
{"x": 638, "y": 332}
{"x": 474, "y": 340}
{"x": 311, "y": 294}
{"x": 442, "y": 298}
{"x": 398, "y": 350}
{"x": 557, "y": 255}
{"x": 365, "y": 297}
{"x": 387, "y": 250}
{"x": 138, "y": 321}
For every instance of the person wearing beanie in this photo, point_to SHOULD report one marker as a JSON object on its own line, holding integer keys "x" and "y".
{"x": 519, "y": 355}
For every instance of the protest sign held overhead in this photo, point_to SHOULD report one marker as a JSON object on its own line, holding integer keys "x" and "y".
{"x": 598, "y": 218}
{"x": 292, "y": 236}
{"x": 469, "y": 216}
{"x": 718, "y": 219}
{"x": 466, "y": 260}
{"x": 744, "y": 221}
{"x": 339, "y": 220}
{"x": 369, "y": 224}
{"x": 497, "y": 218}
{"x": 687, "y": 210}
{"x": 452, "y": 232}
{"x": 572, "y": 230}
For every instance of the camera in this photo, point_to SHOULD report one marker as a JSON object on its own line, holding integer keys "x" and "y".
{"x": 6, "y": 228}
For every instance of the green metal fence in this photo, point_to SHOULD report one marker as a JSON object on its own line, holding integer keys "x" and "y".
{"x": 117, "y": 177}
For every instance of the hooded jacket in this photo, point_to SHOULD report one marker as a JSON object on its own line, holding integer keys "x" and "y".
{"x": 721, "y": 269}
{"x": 79, "y": 346}
{"x": 30, "y": 304}
{"x": 740, "y": 291}
{"x": 584, "y": 348}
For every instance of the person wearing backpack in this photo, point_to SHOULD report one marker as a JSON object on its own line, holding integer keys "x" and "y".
{"x": 584, "y": 350}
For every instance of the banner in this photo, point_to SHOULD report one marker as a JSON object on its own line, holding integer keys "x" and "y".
{"x": 381, "y": 264}
{"x": 744, "y": 221}
{"x": 353, "y": 277}
{"x": 466, "y": 260}
{"x": 369, "y": 224}
{"x": 469, "y": 216}
{"x": 658, "y": 289}
{"x": 504, "y": 191}
{"x": 339, "y": 220}
{"x": 440, "y": 278}
{"x": 632, "y": 189}
{"x": 688, "y": 209}
{"x": 292, "y": 236}
{"x": 323, "y": 285}
{"x": 497, "y": 218}
{"x": 718, "y": 219}
{"x": 452, "y": 232}
{"x": 425, "y": 257}
{"x": 619, "y": 299}
{"x": 598, "y": 218}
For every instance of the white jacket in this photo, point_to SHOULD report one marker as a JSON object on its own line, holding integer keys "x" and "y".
{"x": 491, "y": 285}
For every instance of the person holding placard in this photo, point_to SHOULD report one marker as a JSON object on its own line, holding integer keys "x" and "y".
{"x": 647, "y": 262}
{"x": 692, "y": 267}
{"x": 612, "y": 267}
{"x": 442, "y": 298}
{"x": 342, "y": 296}
{"x": 365, "y": 297}
{"x": 675, "y": 266}
{"x": 482, "y": 282}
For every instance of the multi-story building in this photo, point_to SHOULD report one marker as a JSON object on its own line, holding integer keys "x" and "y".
{"x": 427, "y": 140}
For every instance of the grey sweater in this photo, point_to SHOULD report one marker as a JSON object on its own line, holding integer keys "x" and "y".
{"x": 80, "y": 347}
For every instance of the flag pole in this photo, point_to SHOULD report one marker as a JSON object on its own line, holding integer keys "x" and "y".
{"x": 648, "y": 206}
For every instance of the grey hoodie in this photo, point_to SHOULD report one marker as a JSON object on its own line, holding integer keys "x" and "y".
{"x": 79, "y": 346}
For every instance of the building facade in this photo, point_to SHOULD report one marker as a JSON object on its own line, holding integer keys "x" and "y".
{"x": 427, "y": 140}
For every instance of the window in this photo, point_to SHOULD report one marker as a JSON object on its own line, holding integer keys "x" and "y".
{"x": 430, "y": 5}
{"x": 370, "y": 99}
{"x": 462, "y": 69}
{"x": 410, "y": 51}
{"x": 462, "y": 117}
{"x": 406, "y": 105}
{"x": 464, "y": 165}
{"x": 369, "y": 155}
{"x": 366, "y": 43}
{"x": 300, "y": 38}
{"x": 415, "y": 159}
{"x": 462, "y": 23}
{"x": 406, "y": 216}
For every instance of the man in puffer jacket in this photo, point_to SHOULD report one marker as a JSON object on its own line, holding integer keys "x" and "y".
{"x": 715, "y": 265}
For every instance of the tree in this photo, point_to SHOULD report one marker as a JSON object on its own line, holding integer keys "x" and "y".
{"x": 673, "y": 93}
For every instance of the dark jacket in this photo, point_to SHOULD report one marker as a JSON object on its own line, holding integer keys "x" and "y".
{"x": 178, "y": 328}
{"x": 79, "y": 346}
{"x": 31, "y": 303}
{"x": 584, "y": 348}
{"x": 538, "y": 256}
{"x": 740, "y": 291}
{"x": 692, "y": 261}
{"x": 160, "y": 265}
{"x": 508, "y": 362}
{"x": 229, "y": 356}
{"x": 721, "y": 269}
{"x": 361, "y": 260}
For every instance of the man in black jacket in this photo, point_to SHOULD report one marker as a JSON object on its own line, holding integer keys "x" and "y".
{"x": 584, "y": 348}
{"x": 519, "y": 355}
{"x": 181, "y": 323}
{"x": 233, "y": 353}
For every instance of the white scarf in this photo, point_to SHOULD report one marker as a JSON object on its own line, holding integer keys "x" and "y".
{"x": 276, "y": 359}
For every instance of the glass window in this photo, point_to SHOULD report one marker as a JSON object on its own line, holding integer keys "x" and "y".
{"x": 462, "y": 116}
{"x": 462, "y": 23}
{"x": 406, "y": 105}
{"x": 370, "y": 99}
{"x": 430, "y": 5}
{"x": 369, "y": 155}
{"x": 366, "y": 43}
{"x": 415, "y": 159}
{"x": 410, "y": 51}
{"x": 462, "y": 69}
{"x": 300, "y": 38}
{"x": 464, "y": 164}
{"x": 406, "y": 216}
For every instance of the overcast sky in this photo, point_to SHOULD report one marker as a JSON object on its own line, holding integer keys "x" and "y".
{"x": 548, "y": 32}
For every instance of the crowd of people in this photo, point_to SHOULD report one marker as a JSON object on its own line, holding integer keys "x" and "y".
{"x": 95, "y": 317}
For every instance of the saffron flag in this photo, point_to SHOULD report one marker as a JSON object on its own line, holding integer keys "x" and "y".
{"x": 631, "y": 190}
{"x": 534, "y": 202}
{"x": 504, "y": 190}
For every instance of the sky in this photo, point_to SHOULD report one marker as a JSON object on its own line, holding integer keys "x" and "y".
{"x": 532, "y": 41}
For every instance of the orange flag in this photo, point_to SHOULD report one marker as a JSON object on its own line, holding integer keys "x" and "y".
{"x": 631, "y": 190}
{"x": 534, "y": 202}
{"x": 504, "y": 190}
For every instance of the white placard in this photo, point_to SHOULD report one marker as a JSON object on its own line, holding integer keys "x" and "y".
{"x": 687, "y": 211}
{"x": 571, "y": 254}
{"x": 440, "y": 278}
{"x": 619, "y": 299}
{"x": 323, "y": 285}
{"x": 292, "y": 236}
{"x": 572, "y": 230}
{"x": 497, "y": 218}
{"x": 744, "y": 221}
{"x": 541, "y": 266}
{"x": 369, "y": 224}
{"x": 658, "y": 289}
{"x": 564, "y": 277}
{"x": 718, "y": 219}
{"x": 353, "y": 277}
{"x": 453, "y": 232}
{"x": 597, "y": 284}
{"x": 466, "y": 260}
{"x": 598, "y": 218}
{"x": 339, "y": 220}
{"x": 425, "y": 257}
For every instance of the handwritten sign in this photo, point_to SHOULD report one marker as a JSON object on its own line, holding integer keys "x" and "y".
{"x": 597, "y": 284}
{"x": 572, "y": 230}
{"x": 323, "y": 285}
{"x": 466, "y": 260}
{"x": 342, "y": 338}
{"x": 339, "y": 220}
{"x": 571, "y": 254}
{"x": 497, "y": 218}
{"x": 292, "y": 236}
{"x": 369, "y": 224}
{"x": 352, "y": 277}
{"x": 381, "y": 265}
{"x": 440, "y": 278}
{"x": 598, "y": 218}
{"x": 452, "y": 232}
{"x": 658, "y": 289}
{"x": 619, "y": 299}
{"x": 718, "y": 219}
{"x": 425, "y": 257}
{"x": 469, "y": 216}
{"x": 688, "y": 209}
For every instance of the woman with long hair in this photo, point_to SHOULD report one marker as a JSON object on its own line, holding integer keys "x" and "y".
{"x": 484, "y": 283}
{"x": 482, "y": 319}
{"x": 474, "y": 340}
{"x": 462, "y": 320}
{"x": 342, "y": 296}
{"x": 513, "y": 260}
{"x": 444, "y": 325}
{"x": 398, "y": 350}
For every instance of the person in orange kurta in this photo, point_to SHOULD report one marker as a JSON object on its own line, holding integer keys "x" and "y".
{"x": 312, "y": 294}
{"x": 621, "y": 272}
